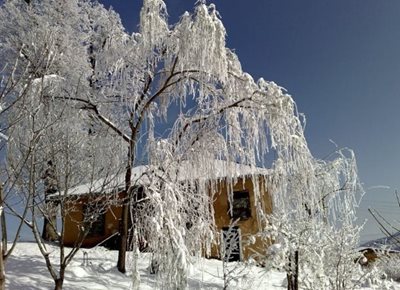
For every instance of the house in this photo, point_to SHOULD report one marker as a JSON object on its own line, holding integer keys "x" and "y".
{"x": 388, "y": 246}
{"x": 237, "y": 223}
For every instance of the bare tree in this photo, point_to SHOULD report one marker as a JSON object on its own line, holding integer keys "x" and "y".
{"x": 12, "y": 76}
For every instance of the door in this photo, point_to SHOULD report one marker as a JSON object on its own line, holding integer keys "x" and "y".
{"x": 231, "y": 244}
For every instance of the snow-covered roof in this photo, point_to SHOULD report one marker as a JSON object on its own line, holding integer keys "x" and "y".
{"x": 390, "y": 243}
{"x": 217, "y": 169}
{"x": 113, "y": 183}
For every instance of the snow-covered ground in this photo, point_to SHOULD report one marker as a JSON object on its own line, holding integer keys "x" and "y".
{"x": 26, "y": 269}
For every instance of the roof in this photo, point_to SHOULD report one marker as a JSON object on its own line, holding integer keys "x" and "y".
{"x": 390, "y": 243}
{"x": 217, "y": 169}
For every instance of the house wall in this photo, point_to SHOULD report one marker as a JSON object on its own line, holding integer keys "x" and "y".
{"x": 248, "y": 227}
{"x": 74, "y": 220}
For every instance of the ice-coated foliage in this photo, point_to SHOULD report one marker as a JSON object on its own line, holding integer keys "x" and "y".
{"x": 51, "y": 67}
{"x": 45, "y": 63}
{"x": 75, "y": 58}
{"x": 315, "y": 216}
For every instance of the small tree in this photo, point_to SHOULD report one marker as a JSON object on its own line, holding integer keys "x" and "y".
{"x": 39, "y": 136}
{"x": 46, "y": 131}
{"x": 12, "y": 76}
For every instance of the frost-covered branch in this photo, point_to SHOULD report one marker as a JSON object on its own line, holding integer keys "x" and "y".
{"x": 88, "y": 105}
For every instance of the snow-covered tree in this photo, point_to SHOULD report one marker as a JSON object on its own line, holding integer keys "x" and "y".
{"x": 130, "y": 84}
{"x": 45, "y": 129}
{"x": 51, "y": 150}
{"x": 314, "y": 224}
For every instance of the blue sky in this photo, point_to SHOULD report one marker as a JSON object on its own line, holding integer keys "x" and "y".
{"x": 339, "y": 60}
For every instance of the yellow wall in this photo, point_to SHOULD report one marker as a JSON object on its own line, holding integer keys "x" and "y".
{"x": 248, "y": 227}
{"x": 74, "y": 220}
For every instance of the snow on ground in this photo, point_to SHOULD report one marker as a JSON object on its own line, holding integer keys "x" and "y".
{"x": 26, "y": 269}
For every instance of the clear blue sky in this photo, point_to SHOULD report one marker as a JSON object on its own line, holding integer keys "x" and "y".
{"x": 339, "y": 60}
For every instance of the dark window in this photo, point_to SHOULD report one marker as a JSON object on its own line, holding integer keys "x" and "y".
{"x": 241, "y": 205}
{"x": 95, "y": 219}
{"x": 139, "y": 194}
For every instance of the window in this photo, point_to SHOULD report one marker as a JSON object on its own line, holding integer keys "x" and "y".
{"x": 241, "y": 205}
{"x": 139, "y": 194}
{"x": 95, "y": 219}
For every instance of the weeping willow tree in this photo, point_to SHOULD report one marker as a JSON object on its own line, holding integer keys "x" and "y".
{"x": 131, "y": 84}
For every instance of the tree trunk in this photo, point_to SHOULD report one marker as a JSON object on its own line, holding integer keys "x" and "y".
{"x": 59, "y": 284}
{"x": 46, "y": 223}
{"x": 3, "y": 243}
{"x": 3, "y": 227}
{"x": 296, "y": 278}
{"x": 49, "y": 232}
{"x": 3, "y": 222}
{"x": 293, "y": 275}
{"x": 50, "y": 225}
{"x": 2, "y": 270}
{"x": 123, "y": 242}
